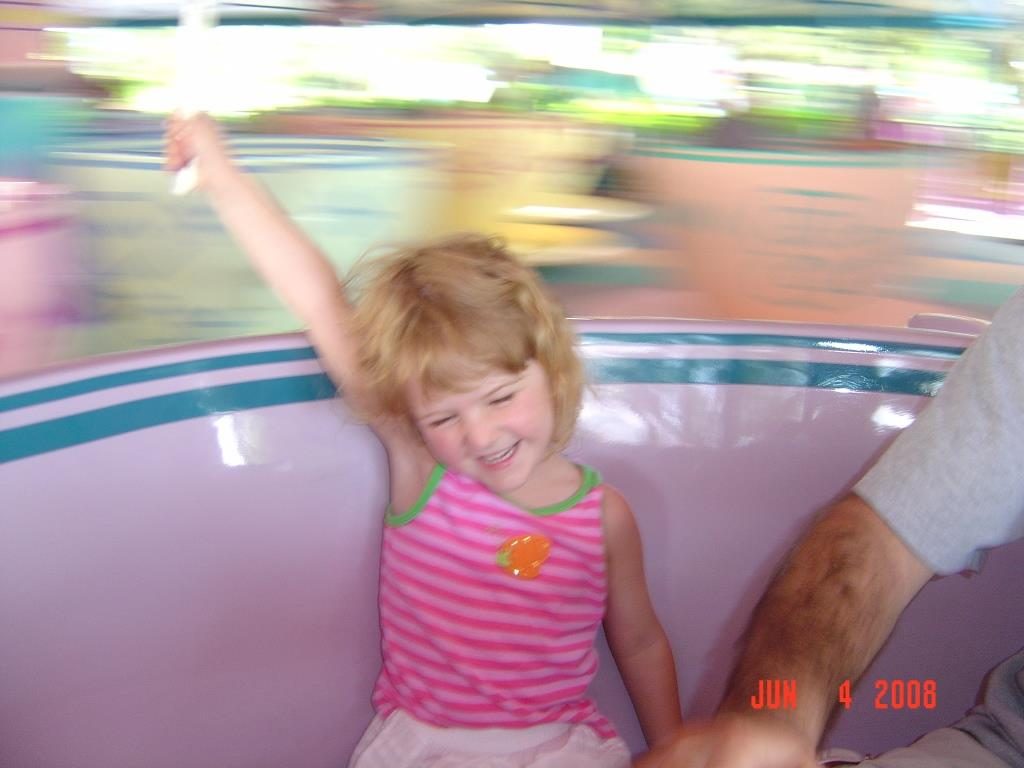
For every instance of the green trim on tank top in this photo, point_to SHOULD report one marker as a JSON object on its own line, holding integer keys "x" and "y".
{"x": 591, "y": 479}
{"x": 391, "y": 519}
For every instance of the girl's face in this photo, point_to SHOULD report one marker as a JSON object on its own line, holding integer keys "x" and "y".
{"x": 497, "y": 432}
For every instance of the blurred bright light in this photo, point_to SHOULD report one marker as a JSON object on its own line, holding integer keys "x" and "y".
{"x": 431, "y": 81}
{"x": 561, "y": 45}
{"x": 685, "y": 71}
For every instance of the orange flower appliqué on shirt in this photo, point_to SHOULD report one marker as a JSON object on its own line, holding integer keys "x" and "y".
{"x": 522, "y": 556}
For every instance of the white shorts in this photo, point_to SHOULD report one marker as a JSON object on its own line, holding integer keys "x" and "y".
{"x": 401, "y": 741}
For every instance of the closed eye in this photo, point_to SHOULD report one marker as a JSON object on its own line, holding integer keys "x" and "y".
{"x": 503, "y": 399}
{"x": 441, "y": 422}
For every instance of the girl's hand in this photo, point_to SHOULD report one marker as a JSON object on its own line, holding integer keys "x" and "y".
{"x": 196, "y": 138}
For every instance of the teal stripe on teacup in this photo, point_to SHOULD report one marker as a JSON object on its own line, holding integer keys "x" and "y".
{"x": 100, "y": 423}
{"x": 776, "y": 373}
{"x": 774, "y": 340}
{"x": 151, "y": 373}
{"x": 89, "y": 426}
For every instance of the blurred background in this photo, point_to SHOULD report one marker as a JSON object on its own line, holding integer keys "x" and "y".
{"x": 809, "y": 161}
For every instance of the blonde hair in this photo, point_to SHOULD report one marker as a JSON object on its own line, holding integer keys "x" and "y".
{"x": 437, "y": 314}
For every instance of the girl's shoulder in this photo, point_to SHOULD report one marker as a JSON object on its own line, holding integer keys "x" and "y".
{"x": 615, "y": 508}
{"x": 612, "y": 495}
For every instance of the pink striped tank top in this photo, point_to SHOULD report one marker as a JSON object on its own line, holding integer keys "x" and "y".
{"x": 489, "y": 611}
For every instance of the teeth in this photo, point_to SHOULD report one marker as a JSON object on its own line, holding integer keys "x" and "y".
{"x": 494, "y": 459}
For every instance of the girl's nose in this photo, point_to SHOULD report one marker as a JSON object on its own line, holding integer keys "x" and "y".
{"x": 479, "y": 434}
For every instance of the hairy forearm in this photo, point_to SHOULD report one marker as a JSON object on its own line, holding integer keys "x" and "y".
{"x": 826, "y": 614}
{"x": 285, "y": 257}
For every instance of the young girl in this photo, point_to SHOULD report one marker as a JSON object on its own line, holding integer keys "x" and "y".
{"x": 500, "y": 557}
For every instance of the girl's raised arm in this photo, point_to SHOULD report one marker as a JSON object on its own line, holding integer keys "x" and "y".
{"x": 291, "y": 264}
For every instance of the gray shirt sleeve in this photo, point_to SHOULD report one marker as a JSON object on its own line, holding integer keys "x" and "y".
{"x": 952, "y": 484}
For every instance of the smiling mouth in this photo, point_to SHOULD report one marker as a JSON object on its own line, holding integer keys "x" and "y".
{"x": 497, "y": 458}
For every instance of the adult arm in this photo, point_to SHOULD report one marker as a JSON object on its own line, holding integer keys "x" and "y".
{"x": 827, "y": 613}
{"x": 947, "y": 489}
{"x": 821, "y": 622}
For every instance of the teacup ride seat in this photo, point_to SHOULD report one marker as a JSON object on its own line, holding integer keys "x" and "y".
{"x": 188, "y": 565}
